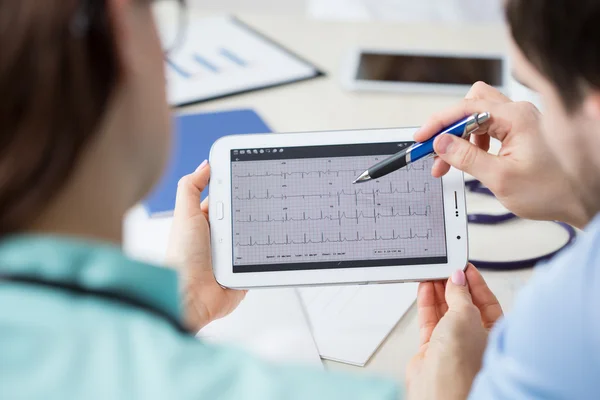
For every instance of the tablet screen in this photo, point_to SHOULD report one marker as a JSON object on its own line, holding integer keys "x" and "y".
{"x": 295, "y": 208}
{"x": 429, "y": 69}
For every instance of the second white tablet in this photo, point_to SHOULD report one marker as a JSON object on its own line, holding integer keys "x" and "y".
{"x": 284, "y": 212}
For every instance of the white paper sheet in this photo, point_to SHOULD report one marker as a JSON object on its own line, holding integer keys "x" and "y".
{"x": 220, "y": 57}
{"x": 271, "y": 324}
{"x": 349, "y": 323}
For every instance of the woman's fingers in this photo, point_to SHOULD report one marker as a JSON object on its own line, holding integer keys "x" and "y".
{"x": 483, "y": 298}
{"x": 428, "y": 315}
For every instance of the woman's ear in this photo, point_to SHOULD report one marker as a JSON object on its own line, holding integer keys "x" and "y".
{"x": 591, "y": 105}
{"x": 119, "y": 14}
{"x": 136, "y": 40}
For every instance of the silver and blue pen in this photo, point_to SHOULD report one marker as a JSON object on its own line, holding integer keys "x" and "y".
{"x": 423, "y": 150}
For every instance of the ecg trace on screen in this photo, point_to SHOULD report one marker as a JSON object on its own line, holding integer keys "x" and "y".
{"x": 308, "y": 210}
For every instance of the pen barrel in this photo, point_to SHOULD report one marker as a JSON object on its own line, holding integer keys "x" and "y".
{"x": 389, "y": 165}
{"x": 422, "y": 150}
{"x": 462, "y": 130}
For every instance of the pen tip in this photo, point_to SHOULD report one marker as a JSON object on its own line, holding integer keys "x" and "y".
{"x": 362, "y": 178}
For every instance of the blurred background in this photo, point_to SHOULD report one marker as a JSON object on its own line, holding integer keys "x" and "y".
{"x": 455, "y": 26}
{"x": 451, "y": 11}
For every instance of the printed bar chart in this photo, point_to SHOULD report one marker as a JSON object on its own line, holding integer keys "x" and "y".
{"x": 221, "y": 56}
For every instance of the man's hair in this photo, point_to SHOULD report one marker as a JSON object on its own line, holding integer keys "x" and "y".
{"x": 561, "y": 38}
{"x": 58, "y": 69}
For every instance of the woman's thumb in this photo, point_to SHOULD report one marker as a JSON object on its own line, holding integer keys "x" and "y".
{"x": 457, "y": 291}
{"x": 189, "y": 191}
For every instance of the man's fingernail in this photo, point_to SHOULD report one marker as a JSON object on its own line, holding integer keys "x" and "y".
{"x": 201, "y": 167}
{"x": 459, "y": 278}
{"x": 444, "y": 144}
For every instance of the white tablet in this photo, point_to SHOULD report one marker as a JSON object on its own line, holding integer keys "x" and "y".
{"x": 284, "y": 212}
{"x": 424, "y": 72}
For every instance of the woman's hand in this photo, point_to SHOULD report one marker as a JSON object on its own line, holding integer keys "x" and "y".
{"x": 189, "y": 251}
{"x": 454, "y": 319}
{"x": 525, "y": 176}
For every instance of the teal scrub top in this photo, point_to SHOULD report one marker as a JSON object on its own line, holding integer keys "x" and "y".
{"x": 91, "y": 334}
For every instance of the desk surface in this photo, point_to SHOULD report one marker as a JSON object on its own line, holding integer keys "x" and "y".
{"x": 322, "y": 104}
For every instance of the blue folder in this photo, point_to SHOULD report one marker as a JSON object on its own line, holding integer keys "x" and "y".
{"x": 193, "y": 138}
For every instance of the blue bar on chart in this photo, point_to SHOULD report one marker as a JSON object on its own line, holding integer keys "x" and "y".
{"x": 205, "y": 63}
{"x": 180, "y": 71}
{"x": 233, "y": 57}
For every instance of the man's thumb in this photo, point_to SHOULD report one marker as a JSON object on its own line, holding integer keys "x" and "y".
{"x": 465, "y": 156}
{"x": 457, "y": 291}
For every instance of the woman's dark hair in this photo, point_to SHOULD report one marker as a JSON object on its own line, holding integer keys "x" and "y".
{"x": 561, "y": 38}
{"x": 58, "y": 69}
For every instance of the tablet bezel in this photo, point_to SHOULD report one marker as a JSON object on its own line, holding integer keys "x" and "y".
{"x": 221, "y": 219}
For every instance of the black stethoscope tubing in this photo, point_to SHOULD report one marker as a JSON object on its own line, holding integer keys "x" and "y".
{"x": 103, "y": 294}
{"x": 475, "y": 186}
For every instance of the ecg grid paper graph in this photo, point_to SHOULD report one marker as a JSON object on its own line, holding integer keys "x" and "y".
{"x": 308, "y": 211}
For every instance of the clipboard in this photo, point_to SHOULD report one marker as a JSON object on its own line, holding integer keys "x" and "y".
{"x": 194, "y": 134}
{"x": 223, "y": 56}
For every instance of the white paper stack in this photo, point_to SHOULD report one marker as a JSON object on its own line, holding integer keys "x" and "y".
{"x": 269, "y": 323}
{"x": 349, "y": 323}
